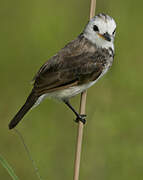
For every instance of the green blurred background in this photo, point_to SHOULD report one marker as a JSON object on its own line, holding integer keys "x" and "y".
{"x": 31, "y": 31}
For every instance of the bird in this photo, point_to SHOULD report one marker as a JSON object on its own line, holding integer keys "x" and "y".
{"x": 75, "y": 68}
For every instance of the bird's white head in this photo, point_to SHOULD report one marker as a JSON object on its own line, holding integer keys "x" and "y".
{"x": 101, "y": 31}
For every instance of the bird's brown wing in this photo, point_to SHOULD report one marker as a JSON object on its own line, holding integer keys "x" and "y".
{"x": 72, "y": 71}
{"x": 77, "y": 63}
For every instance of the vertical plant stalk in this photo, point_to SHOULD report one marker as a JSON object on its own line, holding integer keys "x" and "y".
{"x": 82, "y": 111}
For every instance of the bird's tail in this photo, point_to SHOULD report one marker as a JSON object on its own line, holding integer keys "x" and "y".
{"x": 31, "y": 100}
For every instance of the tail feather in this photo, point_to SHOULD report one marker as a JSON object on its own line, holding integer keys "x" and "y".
{"x": 24, "y": 109}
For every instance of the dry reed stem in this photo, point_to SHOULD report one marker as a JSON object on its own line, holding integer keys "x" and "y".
{"x": 82, "y": 111}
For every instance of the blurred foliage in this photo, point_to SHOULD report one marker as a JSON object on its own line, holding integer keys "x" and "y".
{"x": 8, "y": 168}
{"x": 32, "y": 31}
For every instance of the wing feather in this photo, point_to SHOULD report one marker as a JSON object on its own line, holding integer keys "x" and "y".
{"x": 72, "y": 66}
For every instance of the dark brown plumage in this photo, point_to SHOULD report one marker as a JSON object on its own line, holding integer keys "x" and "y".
{"x": 77, "y": 63}
{"x": 24, "y": 109}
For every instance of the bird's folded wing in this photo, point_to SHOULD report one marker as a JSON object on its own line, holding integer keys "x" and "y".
{"x": 68, "y": 72}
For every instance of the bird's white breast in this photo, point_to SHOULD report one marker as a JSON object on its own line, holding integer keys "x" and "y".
{"x": 70, "y": 92}
{"x": 65, "y": 93}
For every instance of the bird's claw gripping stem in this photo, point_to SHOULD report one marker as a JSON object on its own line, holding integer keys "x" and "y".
{"x": 81, "y": 118}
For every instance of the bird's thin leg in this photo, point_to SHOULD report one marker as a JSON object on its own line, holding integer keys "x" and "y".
{"x": 80, "y": 117}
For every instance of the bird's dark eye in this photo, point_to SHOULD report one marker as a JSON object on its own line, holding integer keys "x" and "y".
{"x": 114, "y": 32}
{"x": 95, "y": 28}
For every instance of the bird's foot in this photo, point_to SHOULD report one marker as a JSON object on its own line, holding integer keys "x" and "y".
{"x": 81, "y": 118}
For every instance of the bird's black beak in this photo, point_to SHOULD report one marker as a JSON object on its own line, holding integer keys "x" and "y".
{"x": 107, "y": 36}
